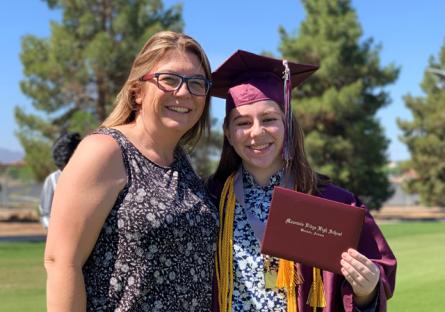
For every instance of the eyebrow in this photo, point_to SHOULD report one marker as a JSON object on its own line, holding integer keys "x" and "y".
{"x": 168, "y": 71}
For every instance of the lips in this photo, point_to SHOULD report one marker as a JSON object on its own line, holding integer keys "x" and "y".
{"x": 259, "y": 147}
{"x": 179, "y": 109}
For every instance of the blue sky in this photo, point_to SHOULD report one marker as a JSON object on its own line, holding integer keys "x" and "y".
{"x": 409, "y": 32}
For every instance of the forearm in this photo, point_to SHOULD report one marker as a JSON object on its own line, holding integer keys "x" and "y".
{"x": 65, "y": 288}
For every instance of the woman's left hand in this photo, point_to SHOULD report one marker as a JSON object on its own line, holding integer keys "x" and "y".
{"x": 361, "y": 273}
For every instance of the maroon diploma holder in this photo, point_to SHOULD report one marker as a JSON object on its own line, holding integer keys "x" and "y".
{"x": 311, "y": 230}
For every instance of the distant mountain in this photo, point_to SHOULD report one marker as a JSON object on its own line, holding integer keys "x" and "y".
{"x": 8, "y": 156}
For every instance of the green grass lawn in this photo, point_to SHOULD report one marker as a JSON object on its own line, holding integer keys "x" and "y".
{"x": 420, "y": 251}
{"x": 418, "y": 246}
{"x": 22, "y": 277}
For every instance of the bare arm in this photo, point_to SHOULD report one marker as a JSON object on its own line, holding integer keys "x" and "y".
{"x": 85, "y": 194}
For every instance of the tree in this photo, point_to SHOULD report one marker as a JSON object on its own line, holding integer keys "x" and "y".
{"x": 73, "y": 76}
{"x": 424, "y": 135}
{"x": 337, "y": 106}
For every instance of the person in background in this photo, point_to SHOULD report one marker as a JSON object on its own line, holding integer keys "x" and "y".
{"x": 264, "y": 147}
{"x": 133, "y": 228}
{"x": 62, "y": 150}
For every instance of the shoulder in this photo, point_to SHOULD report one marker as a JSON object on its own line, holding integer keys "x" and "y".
{"x": 98, "y": 146}
{"x": 336, "y": 193}
{"x": 98, "y": 154}
{"x": 53, "y": 175}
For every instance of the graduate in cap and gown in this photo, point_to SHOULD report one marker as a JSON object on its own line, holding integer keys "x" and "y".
{"x": 264, "y": 147}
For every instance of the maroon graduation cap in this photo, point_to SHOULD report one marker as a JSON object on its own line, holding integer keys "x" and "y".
{"x": 245, "y": 78}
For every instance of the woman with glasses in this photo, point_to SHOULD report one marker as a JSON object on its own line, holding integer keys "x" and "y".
{"x": 132, "y": 228}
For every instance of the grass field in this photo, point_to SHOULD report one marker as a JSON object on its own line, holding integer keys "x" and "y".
{"x": 419, "y": 247}
{"x": 22, "y": 277}
{"x": 420, "y": 251}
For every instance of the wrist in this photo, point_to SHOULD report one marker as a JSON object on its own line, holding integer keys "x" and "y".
{"x": 363, "y": 301}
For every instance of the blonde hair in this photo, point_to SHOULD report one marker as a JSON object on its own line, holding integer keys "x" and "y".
{"x": 124, "y": 110}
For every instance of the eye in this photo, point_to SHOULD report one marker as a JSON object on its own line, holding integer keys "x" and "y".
{"x": 169, "y": 80}
{"x": 242, "y": 123}
{"x": 269, "y": 119}
{"x": 197, "y": 83}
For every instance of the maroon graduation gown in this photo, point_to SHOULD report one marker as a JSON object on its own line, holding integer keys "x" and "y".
{"x": 338, "y": 292}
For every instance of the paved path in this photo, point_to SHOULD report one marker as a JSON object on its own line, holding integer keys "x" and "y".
{"x": 23, "y": 238}
{"x": 22, "y": 232}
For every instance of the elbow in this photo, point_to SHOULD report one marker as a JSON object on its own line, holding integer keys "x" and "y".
{"x": 49, "y": 262}
{"x": 52, "y": 264}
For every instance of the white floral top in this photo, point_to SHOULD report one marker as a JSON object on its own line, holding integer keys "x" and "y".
{"x": 249, "y": 292}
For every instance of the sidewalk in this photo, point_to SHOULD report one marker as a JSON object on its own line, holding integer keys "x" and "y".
{"x": 21, "y": 229}
{"x": 20, "y": 225}
{"x": 409, "y": 213}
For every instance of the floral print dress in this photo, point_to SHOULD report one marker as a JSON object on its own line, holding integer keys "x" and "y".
{"x": 155, "y": 251}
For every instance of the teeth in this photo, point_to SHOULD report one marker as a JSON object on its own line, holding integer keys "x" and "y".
{"x": 179, "y": 109}
{"x": 259, "y": 147}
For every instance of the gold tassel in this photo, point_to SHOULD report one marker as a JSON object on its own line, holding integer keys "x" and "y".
{"x": 286, "y": 278}
{"x": 316, "y": 298}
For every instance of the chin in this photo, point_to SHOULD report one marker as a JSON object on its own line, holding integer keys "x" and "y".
{"x": 264, "y": 164}
{"x": 178, "y": 125}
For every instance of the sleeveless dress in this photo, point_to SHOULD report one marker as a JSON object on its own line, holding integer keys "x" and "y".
{"x": 155, "y": 251}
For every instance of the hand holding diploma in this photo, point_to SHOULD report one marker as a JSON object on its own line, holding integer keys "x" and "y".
{"x": 362, "y": 274}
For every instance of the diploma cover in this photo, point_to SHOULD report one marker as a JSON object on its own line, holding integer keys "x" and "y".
{"x": 311, "y": 230}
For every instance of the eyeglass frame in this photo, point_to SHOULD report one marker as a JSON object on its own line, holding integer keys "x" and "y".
{"x": 186, "y": 79}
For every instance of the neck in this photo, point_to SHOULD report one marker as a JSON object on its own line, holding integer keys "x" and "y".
{"x": 156, "y": 144}
{"x": 262, "y": 175}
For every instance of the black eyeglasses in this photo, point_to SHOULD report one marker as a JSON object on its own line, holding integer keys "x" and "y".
{"x": 170, "y": 82}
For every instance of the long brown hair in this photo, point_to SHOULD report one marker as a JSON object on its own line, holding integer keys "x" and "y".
{"x": 152, "y": 52}
{"x": 306, "y": 179}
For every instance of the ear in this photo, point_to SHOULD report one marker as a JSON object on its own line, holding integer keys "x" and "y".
{"x": 139, "y": 95}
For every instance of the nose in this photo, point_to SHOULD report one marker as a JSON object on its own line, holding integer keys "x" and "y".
{"x": 183, "y": 90}
{"x": 257, "y": 129}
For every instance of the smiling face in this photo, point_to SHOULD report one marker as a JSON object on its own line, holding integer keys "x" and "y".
{"x": 171, "y": 112}
{"x": 256, "y": 132}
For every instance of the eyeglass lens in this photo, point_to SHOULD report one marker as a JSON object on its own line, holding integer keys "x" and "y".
{"x": 172, "y": 82}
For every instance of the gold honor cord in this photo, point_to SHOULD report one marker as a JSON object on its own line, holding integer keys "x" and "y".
{"x": 316, "y": 296}
{"x": 287, "y": 279}
{"x": 224, "y": 260}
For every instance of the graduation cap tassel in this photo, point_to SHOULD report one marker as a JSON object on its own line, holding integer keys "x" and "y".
{"x": 288, "y": 149}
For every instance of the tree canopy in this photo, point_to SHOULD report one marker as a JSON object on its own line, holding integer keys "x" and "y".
{"x": 424, "y": 135}
{"x": 337, "y": 106}
{"x": 73, "y": 76}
